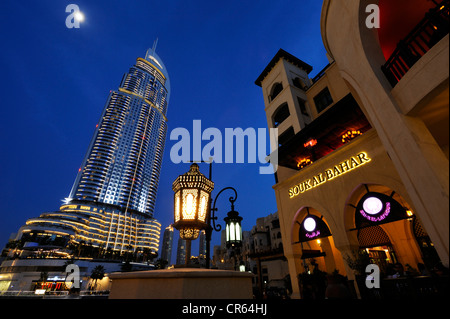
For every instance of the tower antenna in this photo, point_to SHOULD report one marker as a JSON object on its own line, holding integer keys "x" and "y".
{"x": 155, "y": 43}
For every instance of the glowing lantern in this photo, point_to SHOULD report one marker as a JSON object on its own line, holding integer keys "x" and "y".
{"x": 191, "y": 202}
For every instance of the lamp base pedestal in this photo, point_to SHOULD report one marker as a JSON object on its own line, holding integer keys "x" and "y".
{"x": 181, "y": 283}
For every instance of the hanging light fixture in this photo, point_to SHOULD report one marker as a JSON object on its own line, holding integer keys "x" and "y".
{"x": 233, "y": 228}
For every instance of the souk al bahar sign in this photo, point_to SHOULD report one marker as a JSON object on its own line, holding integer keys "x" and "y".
{"x": 343, "y": 167}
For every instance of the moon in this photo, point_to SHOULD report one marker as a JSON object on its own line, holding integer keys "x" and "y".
{"x": 79, "y": 16}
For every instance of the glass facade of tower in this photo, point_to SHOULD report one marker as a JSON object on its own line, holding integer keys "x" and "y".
{"x": 123, "y": 162}
{"x": 112, "y": 200}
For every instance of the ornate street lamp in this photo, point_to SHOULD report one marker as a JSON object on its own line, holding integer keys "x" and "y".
{"x": 233, "y": 228}
{"x": 193, "y": 212}
{"x": 234, "y": 233}
{"x": 191, "y": 202}
{"x": 233, "y": 225}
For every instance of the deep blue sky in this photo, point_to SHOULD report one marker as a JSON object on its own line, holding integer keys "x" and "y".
{"x": 55, "y": 82}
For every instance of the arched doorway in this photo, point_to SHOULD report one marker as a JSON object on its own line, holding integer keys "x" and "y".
{"x": 377, "y": 244}
{"x": 318, "y": 256}
{"x": 388, "y": 230}
{"x": 313, "y": 235}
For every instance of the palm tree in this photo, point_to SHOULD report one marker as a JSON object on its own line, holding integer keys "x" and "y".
{"x": 97, "y": 273}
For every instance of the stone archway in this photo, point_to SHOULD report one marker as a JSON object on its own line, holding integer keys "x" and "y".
{"x": 314, "y": 244}
{"x": 393, "y": 240}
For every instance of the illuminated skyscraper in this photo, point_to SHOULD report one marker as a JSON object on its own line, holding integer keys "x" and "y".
{"x": 112, "y": 200}
{"x": 123, "y": 161}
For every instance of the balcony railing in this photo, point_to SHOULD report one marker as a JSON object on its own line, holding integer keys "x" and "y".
{"x": 422, "y": 38}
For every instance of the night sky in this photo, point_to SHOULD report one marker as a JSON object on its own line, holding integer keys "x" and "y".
{"x": 55, "y": 82}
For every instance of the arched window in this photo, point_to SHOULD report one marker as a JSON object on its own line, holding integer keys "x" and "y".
{"x": 276, "y": 89}
{"x": 281, "y": 114}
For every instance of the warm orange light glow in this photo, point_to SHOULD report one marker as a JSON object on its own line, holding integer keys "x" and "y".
{"x": 347, "y": 137}
{"x": 310, "y": 143}
{"x": 189, "y": 211}
{"x": 304, "y": 162}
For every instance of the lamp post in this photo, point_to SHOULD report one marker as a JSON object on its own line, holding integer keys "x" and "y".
{"x": 193, "y": 211}
{"x": 233, "y": 225}
{"x": 234, "y": 234}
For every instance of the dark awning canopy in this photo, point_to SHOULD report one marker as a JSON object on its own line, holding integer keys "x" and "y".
{"x": 377, "y": 209}
{"x": 313, "y": 227}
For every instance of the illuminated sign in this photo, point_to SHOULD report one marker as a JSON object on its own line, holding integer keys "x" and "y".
{"x": 313, "y": 234}
{"x": 329, "y": 174}
{"x": 313, "y": 227}
{"x": 377, "y": 218}
{"x": 377, "y": 208}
